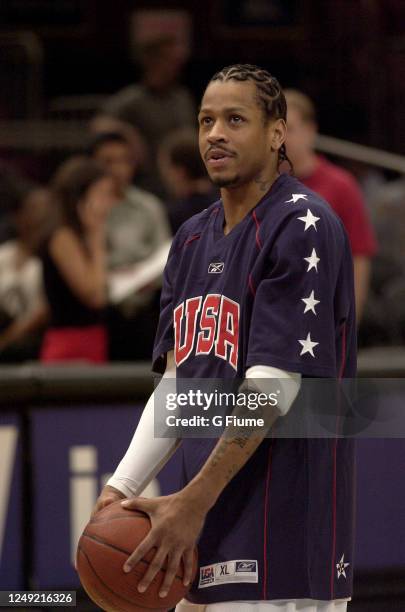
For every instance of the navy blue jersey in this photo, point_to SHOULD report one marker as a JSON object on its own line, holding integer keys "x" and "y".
{"x": 276, "y": 291}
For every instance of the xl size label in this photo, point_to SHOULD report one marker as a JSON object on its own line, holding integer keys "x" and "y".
{"x": 227, "y": 572}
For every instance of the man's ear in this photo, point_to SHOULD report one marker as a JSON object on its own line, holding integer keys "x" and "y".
{"x": 278, "y": 134}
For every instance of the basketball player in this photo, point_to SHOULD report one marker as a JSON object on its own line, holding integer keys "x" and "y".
{"x": 259, "y": 285}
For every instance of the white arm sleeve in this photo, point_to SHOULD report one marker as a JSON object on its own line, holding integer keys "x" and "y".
{"x": 290, "y": 383}
{"x": 146, "y": 455}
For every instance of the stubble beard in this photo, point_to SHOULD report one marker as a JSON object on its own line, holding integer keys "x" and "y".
{"x": 226, "y": 182}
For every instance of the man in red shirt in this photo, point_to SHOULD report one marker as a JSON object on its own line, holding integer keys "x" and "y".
{"x": 334, "y": 184}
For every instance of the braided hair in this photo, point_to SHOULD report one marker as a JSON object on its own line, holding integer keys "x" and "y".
{"x": 269, "y": 94}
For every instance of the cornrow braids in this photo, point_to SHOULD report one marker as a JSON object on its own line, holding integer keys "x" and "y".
{"x": 269, "y": 94}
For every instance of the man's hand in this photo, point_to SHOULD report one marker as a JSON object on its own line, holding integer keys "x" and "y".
{"x": 176, "y": 524}
{"x": 107, "y": 496}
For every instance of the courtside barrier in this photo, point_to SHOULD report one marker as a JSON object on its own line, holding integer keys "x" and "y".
{"x": 63, "y": 430}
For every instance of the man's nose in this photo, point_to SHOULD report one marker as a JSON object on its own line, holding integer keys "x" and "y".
{"x": 217, "y": 132}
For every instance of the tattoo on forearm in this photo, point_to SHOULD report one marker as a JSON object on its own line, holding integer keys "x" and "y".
{"x": 241, "y": 438}
{"x": 218, "y": 452}
{"x": 244, "y": 437}
{"x": 231, "y": 473}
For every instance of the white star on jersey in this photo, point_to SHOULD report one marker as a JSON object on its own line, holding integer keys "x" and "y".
{"x": 312, "y": 260}
{"x": 308, "y": 345}
{"x": 310, "y": 220}
{"x": 310, "y": 303}
{"x": 296, "y": 197}
{"x": 341, "y": 567}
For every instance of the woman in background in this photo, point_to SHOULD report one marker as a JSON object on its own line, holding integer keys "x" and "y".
{"x": 74, "y": 264}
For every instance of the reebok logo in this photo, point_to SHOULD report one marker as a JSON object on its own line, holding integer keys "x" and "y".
{"x": 216, "y": 268}
{"x": 245, "y": 566}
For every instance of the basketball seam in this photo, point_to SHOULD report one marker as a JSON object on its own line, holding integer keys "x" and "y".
{"x": 114, "y": 547}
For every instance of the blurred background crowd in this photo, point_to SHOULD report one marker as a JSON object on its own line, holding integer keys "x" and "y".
{"x": 99, "y": 160}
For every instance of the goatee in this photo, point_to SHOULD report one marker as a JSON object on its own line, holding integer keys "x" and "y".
{"x": 225, "y": 182}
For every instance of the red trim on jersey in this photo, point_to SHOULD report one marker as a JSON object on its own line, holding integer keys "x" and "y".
{"x": 259, "y": 244}
{"x": 334, "y": 477}
{"x": 266, "y": 516}
{"x": 334, "y": 500}
{"x": 251, "y": 285}
{"x": 191, "y": 239}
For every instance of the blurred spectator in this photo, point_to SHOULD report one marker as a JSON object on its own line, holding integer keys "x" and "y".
{"x": 185, "y": 177}
{"x": 384, "y": 316}
{"x": 137, "y": 227}
{"x": 138, "y": 223}
{"x": 74, "y": 264}
{"x": 106, "y": 124}
{"x": 23, "y": 309}
{"x": 12, "y": 190}
{"x": 333, "y": 183}
{"x": 369, "y": 178}
{"x": 157, "y": 105}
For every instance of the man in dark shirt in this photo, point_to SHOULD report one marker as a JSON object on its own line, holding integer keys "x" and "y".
{"x": 259, "y": 285}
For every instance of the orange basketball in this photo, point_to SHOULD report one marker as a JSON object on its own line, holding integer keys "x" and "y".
{"x": 107, "y": 541}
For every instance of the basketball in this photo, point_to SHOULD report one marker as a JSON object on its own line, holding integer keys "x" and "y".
{"x": 107, "y": 541}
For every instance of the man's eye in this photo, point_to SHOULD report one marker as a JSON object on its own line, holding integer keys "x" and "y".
{"x": 236, "y": 119}
{"x": 205, "y": 120}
